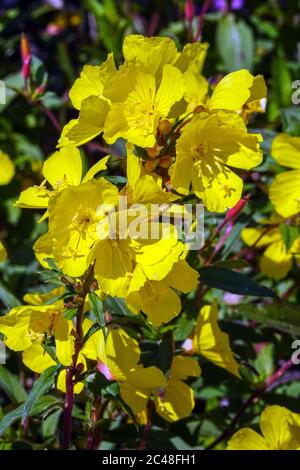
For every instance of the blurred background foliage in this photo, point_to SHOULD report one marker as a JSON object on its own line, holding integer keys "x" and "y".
{"x": 64, "y": 35}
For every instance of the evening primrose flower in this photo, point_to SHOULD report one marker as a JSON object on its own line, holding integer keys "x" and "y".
{"x": 115, "y": 258}
{"x": 7, "y": 169}
{"x": 74, "y": 217}
{"x": 210, "y": 342}
{"x": 280, "y": 430}
{"x": 62, "y": 169}
{"x": 24, "y": 325}
{"x": 119, "y": 359}
{"x": 237, "y": 90}
{"x": 285, "y": 190}
{"x": 176, "y": 400}
{"x": 157, "y": 299}
{"x": 205, "y": 152}
{"x": 136, "y": 118}
{"x": 3, "y": 253}
{"x": 276, "y": 260}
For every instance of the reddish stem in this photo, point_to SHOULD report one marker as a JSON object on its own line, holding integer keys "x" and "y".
{"x": 269, "y": 382}
{"x": 68, "y": 408}
{"x": 204, "y": 10}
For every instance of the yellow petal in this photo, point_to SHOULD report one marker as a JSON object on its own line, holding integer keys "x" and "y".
{"x": 211, "y": 342}
{"x": 175, "y": 402}
{"x": 99, "y": 166}
{"x": 152, "y": 52}
{"x": 259, "y": 236}
{"x": 285, "y": 150}
{"x": 3, "y": 253}
{"x": 35, "y": 197}
{"x": 63, "y": 167}
{"x": 15, "y": 328}
{"x": 134, "y": 397}
{"x": 285, "y": 193}
{"x": 61, "y": 383}
{"x": 91, "y": 81}
{"x": 232, "y": 91}
{"x": 276, "y": 262}
{"x": 247, "y": 439}
{"x": 182, "y": 277}
{"x": 192, "y": 57}
{"x": 43, "y": 249}
{"x": 91, "y": 120}
{"x": 275, "y": 425}
{"x": 184, "y": 367}
{"x": 170, "y": 90}
{"x": 7, "y": 169}
{"x": 158, "y": 301}
{"x": 258, "y": 89}
{"x": 37, "y": 359}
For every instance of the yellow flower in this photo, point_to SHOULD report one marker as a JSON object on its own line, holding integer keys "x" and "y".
{"x": 119, "y": 359}
{"x": 210, "y": 342}
{"x": 285, "y": 190}
{"x": 3, "y": 253}
{"x": 276, "y": 260}
{"x": 92, "y": 81}
{"x": 236, "y": 90}
{"x": 62, "y": 169}
{"x": 280, "y": 430}
{"x": 74, "y": 217}
{"x": 176, "y": 400}
{"x": 205, "y": 152}
{"x": 116, "y": 258}
{"x": 137, "y": 117}
{"x": 151, "y": 53}
{"x": 7, "y": 169}
{"x": 25, "y": 325}
{"x": 157, "y": 299}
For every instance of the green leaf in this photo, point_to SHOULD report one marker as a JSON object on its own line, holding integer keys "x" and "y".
{"x": 7, "y": 298}
{"x": 289, "y": 234}
{"x": 235, "y": 43}
{"x": 234, "y": 282}
{"x": 39, "y": 407}
{"x": 41, "y": 386}
{"x": 290, "y": 118}
{"x": 116, "y": 306}
{"x": 280, "y": 316}
{"x": 11, "y": 385}
{"x": 96, "y": 383}
{"x": 97, "y": 308}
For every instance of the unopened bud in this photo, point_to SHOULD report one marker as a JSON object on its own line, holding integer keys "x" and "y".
{"x": 164, "y": 126}
{"x": 26, "y": 57}
{"x": 166, "y": 162}
{"x": 150, "y": 165}
{"x": 189, "y": 10}
{"x": 153, "y": 152}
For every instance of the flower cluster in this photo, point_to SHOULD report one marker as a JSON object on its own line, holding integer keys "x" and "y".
{"x": 181, "y": 137}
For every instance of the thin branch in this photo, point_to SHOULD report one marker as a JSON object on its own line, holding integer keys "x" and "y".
{"x": 204, "y": 10}
{"x": 269, "y": 384}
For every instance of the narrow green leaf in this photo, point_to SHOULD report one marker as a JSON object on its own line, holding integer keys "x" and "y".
{"x": 97, "y": 308}
{"x": 8, "y": 298}
{"x": 234, "y": 282}
{"x": 12, "y": 386}
{"x": 41, "y": 386}
{"x": 289, "y": 234}
{"x": 41, "y": 406}
{"x": 280, "y": 316}
{"x": 235, "y": 43}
